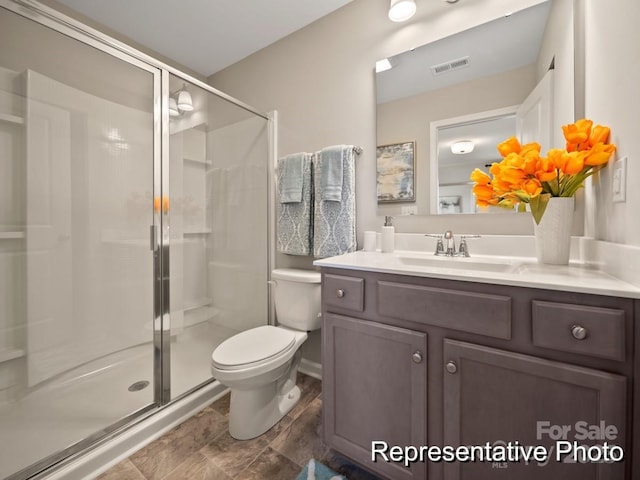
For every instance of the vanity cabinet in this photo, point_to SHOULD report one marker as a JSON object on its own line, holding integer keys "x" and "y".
{"x": 498, "y": 396}
{"x": 496, "y": 364}
{"x": 379, "y": 389}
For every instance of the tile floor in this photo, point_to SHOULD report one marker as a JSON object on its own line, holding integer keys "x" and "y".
{"x": 201, "y": 447}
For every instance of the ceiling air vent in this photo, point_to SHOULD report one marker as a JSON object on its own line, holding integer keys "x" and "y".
{"x": 450, "y": 65}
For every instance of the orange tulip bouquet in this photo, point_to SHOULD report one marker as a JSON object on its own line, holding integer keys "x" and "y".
{"x": 523, "y": 176}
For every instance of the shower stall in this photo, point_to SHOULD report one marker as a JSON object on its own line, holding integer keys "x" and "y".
{"x": 134, "y": 220}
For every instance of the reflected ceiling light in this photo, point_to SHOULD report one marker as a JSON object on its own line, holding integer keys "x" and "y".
{"x": 185, "y": 102}
{"x": 173, "y": 107}
{"x": 401, "y": 10}
{"x": 383, "y": 65}
{"x": 461, "y": 147}
{"x": 180, "y": 102}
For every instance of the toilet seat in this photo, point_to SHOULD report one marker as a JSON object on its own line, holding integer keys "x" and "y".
{"x": 253, "y": 347}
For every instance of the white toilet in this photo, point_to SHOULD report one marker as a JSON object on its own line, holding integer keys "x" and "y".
{"x": 260, "y": 365}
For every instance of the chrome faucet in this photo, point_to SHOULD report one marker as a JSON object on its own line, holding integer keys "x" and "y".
{"x": 451, "y": 244}
{"x": 450, "y": 249}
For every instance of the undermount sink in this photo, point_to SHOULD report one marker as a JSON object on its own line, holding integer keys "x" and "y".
{"x": 460, "y": 263}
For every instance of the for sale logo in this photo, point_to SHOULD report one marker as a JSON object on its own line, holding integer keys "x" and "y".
{"x": 568, "y": 448}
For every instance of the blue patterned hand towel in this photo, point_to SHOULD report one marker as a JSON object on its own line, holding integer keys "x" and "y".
{"x": 295, "y": 220}
{"x": 334, "y": 222}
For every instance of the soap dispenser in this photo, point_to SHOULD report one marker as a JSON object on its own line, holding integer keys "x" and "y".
{"x": 388, "y": 236}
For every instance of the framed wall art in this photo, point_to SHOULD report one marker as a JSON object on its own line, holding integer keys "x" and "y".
{"x": 395, "y": 172}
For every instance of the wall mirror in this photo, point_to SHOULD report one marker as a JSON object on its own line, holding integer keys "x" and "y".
{"x": 467, "y": 86}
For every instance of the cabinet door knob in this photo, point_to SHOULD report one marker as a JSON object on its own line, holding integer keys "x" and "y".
{"x": 416, "y": 357}
{"x": 579, "y": 332}
{"x": 452, "y": 367}
{"x": 340, "y": 293}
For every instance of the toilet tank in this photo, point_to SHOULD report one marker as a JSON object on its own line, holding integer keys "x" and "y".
{"x": 296, "y": 295}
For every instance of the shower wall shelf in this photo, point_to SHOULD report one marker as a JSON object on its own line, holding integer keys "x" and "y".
{"x": 199, "y": 303}
{"x": 8, "y": 354}
{"x": 197, "y": 160}
{"x": 6, "y": 117}
{"x": 200, "y": 315}
{"x": 16, "y": 235}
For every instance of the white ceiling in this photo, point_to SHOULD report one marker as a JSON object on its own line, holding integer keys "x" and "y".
{"x": 205, "y": 35}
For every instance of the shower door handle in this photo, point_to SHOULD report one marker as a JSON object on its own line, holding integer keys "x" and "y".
{"x": 153, "y": 238}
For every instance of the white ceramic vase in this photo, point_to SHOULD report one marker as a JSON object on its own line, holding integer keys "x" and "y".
{"x": 553, "y": 234}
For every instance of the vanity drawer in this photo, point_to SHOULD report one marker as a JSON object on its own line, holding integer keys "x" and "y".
{"x": 472, "y": 312}
{"x": 343, "y": 292}
{"x": 593, "y": 331}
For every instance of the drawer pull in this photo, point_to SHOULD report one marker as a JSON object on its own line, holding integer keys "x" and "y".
{"x": 452, "y": 367}
{"x": 579, "y": 332}
{"x": 417, "y": 357}
{"x": 340, "y": 293}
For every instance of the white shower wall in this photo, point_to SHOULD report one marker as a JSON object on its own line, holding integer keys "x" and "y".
{"x": 238, "y": 216}
{"x": 89, "y": 197}
{"x": 12, "y": 257}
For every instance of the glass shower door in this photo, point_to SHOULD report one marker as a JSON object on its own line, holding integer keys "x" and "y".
{"x": 77, "y": 142}
{"x": 218, "y": 191}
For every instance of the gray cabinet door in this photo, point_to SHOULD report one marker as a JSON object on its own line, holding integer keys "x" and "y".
{"x": 498, "y": 396}
{"x": 374, "y": 389}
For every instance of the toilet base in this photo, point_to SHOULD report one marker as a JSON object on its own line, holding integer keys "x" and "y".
{"x": 253, "y": 412}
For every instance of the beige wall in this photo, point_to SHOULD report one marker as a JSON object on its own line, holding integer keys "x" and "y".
{"x": 613, "y": 98}
{"x": 321, "y": 81}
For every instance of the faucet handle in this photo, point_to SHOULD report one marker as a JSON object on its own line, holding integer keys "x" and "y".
{"x": 463, "y": 249}
{"x": 439, "y": 244}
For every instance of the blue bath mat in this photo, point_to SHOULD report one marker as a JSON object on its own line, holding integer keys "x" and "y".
{"x": 314, "y": 470}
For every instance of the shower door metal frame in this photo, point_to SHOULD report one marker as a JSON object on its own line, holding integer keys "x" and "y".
{"x": 159, "y": 242}
{"x": 62, "y": 24}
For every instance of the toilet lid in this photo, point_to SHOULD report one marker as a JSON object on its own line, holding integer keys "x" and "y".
{"x": 251, "y": 346}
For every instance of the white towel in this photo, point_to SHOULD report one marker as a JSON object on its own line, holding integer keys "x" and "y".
{"x": 334, "y": 225}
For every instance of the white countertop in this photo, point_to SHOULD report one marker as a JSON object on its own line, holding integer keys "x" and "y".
{"x": 500, "y": 270}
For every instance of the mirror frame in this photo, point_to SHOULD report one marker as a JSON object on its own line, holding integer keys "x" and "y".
{"x": 434, "y": 184}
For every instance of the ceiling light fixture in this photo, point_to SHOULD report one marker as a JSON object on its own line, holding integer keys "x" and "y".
{"x": 461, "y": 147}
{"x": 180, "y": 102}
{"x": 401, "y": 10}
{"x": 185, "y": 102}
{"x": 173, "y": 108}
